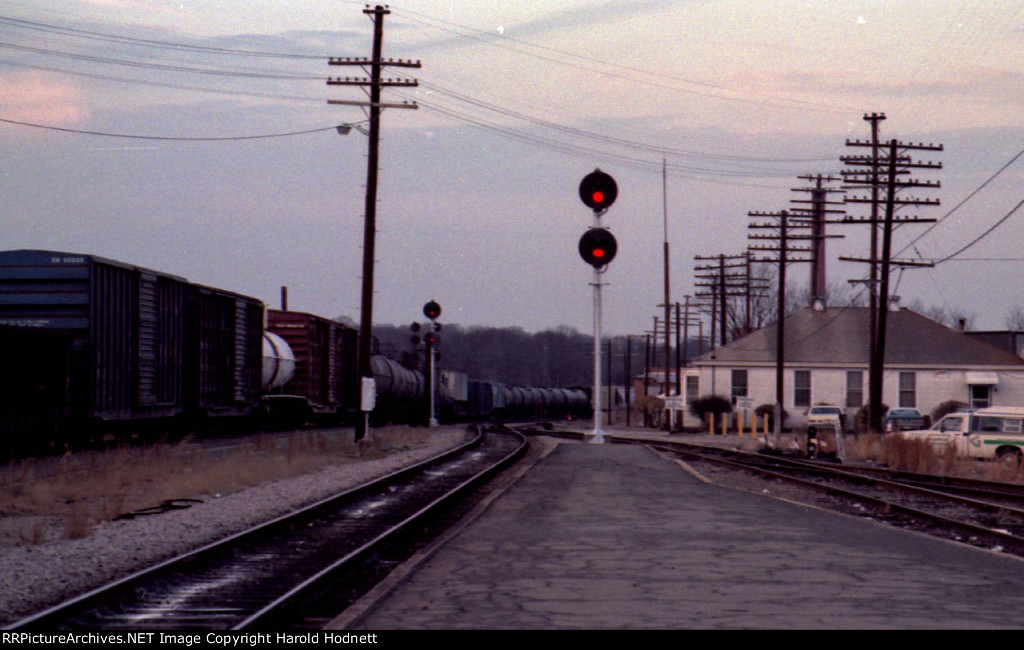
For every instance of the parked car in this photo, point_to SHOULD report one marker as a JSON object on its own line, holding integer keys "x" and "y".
{"x": 824, "y": 414}
{"x": 903, "y": 419}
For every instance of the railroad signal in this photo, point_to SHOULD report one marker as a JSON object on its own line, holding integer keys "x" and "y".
{"x": 432, "y": 310}
{"x": 598, "y": 190}
{"x": 598, "y": 247}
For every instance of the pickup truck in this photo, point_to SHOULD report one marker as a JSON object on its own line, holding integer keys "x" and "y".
{"x": 990, "y": 433}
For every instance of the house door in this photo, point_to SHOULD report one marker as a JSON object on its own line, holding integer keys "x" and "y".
{"x": 981, "y": 396}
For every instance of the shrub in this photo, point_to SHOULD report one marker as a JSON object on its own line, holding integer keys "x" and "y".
{"x": 768, "y": 410}
{"x": 861, "y": 419}
{"x": 946, "y": 408}
{"x": 710, "y": 404}
{"x": 652, "y": 407}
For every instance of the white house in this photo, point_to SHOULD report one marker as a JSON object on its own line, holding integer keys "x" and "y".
{"x": 826, "y": 362}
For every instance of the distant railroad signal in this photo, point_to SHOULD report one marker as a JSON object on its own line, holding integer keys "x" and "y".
{"x": 598, "y": 190}
{"x": 432, "y": 310}
{"x": 598, "y": 247}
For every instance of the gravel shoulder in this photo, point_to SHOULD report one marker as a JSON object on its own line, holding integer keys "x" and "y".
{"x": 33, "y": 577}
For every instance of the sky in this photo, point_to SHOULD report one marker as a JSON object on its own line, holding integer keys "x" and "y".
{"x": 129, "y": 131}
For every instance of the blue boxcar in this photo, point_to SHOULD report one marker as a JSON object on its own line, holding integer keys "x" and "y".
{"x": 143, "y": 345}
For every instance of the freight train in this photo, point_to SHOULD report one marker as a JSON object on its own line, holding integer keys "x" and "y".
{"x": 93, "y": 346}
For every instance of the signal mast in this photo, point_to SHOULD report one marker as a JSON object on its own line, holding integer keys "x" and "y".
{"x": 597, "y": 247}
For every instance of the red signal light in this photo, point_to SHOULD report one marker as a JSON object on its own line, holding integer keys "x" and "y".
{"x": 598, "y": 247}
{"x": 432, "y": 310}
{"x": 598, "y": 190}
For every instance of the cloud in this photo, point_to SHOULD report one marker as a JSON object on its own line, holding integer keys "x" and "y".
{"x": 42, "y": 98}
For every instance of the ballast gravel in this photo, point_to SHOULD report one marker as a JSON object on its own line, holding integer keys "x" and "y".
{"x": 35, "y": 577}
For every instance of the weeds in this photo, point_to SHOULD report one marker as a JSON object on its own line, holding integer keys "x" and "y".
{"x": 78, "y": 523}
{"x": 919, "y": 456}
{"x": 35, "y": 534}
{"x": 863, "y": 447}
{"x": 81, "y": 489}
{"x": 911, "y": 455}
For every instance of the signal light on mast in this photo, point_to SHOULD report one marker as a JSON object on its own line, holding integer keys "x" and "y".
{"x": 432, "y": 310}
{"x": 598, "y": 190}
{"x": 598, "y": 247}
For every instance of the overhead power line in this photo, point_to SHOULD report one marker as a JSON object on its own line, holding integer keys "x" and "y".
{"x": 657, "y": 149}
{"x": 164, "y": 84}
{"x": 163, "y": 137}
{"x": 965, "y": 200}
{"x": 982, "y": 235}
{"x": 157, "y": 66}
{"x": 146, "y": 42}
{"x": 704, "y": 89}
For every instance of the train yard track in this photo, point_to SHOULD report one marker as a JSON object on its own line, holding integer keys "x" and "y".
{"x": 981, "y": 513}
{"x": 297, "y": 571}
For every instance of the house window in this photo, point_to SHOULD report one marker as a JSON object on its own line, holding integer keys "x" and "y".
{"x": 981, "y": 396}
{"x": 739, "y": 384}
{"x": 854, "y": 388}
{"x": 692, "y": 388}
{"x": 802, "y": 388}
{"x": 908, "y": 389}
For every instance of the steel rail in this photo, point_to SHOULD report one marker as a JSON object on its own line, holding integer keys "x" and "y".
{"x": 67, "y": 613}
{"x": 1005, "y": 539}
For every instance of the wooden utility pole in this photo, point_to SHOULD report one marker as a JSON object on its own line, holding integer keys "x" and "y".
{"x": 883, "y": 174}
{"x": 783, "y": 237}
{"x": 374, "y": 106}
{"x": 817, "y": 214}
{"x": 668, "y": 304}
{"x": 731, "y": 277}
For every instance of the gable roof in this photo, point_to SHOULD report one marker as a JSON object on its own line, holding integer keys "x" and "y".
{"x": 840, "y": 336}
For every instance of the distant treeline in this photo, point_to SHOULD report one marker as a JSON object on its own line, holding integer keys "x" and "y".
{"x": 560, "y": 357}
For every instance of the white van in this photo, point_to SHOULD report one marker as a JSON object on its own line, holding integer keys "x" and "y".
{"x": 994, "y": 432}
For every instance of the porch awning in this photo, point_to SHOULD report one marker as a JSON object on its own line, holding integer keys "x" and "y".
{"x": 976, "y": 378}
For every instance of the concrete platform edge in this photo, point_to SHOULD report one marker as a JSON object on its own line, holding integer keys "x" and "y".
{"x": 355, "y": 613}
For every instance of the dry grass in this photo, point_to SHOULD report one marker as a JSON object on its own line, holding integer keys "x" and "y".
{"x": 911, "y": 455}
{"x": 78, "y": 490}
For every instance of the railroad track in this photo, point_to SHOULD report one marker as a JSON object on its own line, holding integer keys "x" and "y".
{"x": 979, "y": 513}
{"x": 296, "y": 571}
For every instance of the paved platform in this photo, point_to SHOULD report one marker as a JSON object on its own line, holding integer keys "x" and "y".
{"x": 616, "y": 536}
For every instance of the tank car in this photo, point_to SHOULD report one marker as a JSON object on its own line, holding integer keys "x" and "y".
{"x": 400, "y": 392}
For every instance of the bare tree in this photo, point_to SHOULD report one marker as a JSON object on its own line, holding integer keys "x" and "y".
{"x": 1014, "y": 319}
{"x": 953, "y": 317}
{"x": 837, "y": 294}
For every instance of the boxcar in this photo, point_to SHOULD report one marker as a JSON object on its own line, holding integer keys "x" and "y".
{"x": 325, "y": 381}
{"x": 34, "y": 395}
{"x": 224, "y": 361}
{"x": 143, "y": 345}
{"x": 126, "y": 326}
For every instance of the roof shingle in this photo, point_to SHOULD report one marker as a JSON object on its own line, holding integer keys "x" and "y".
{"x": 839, "y": 336}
